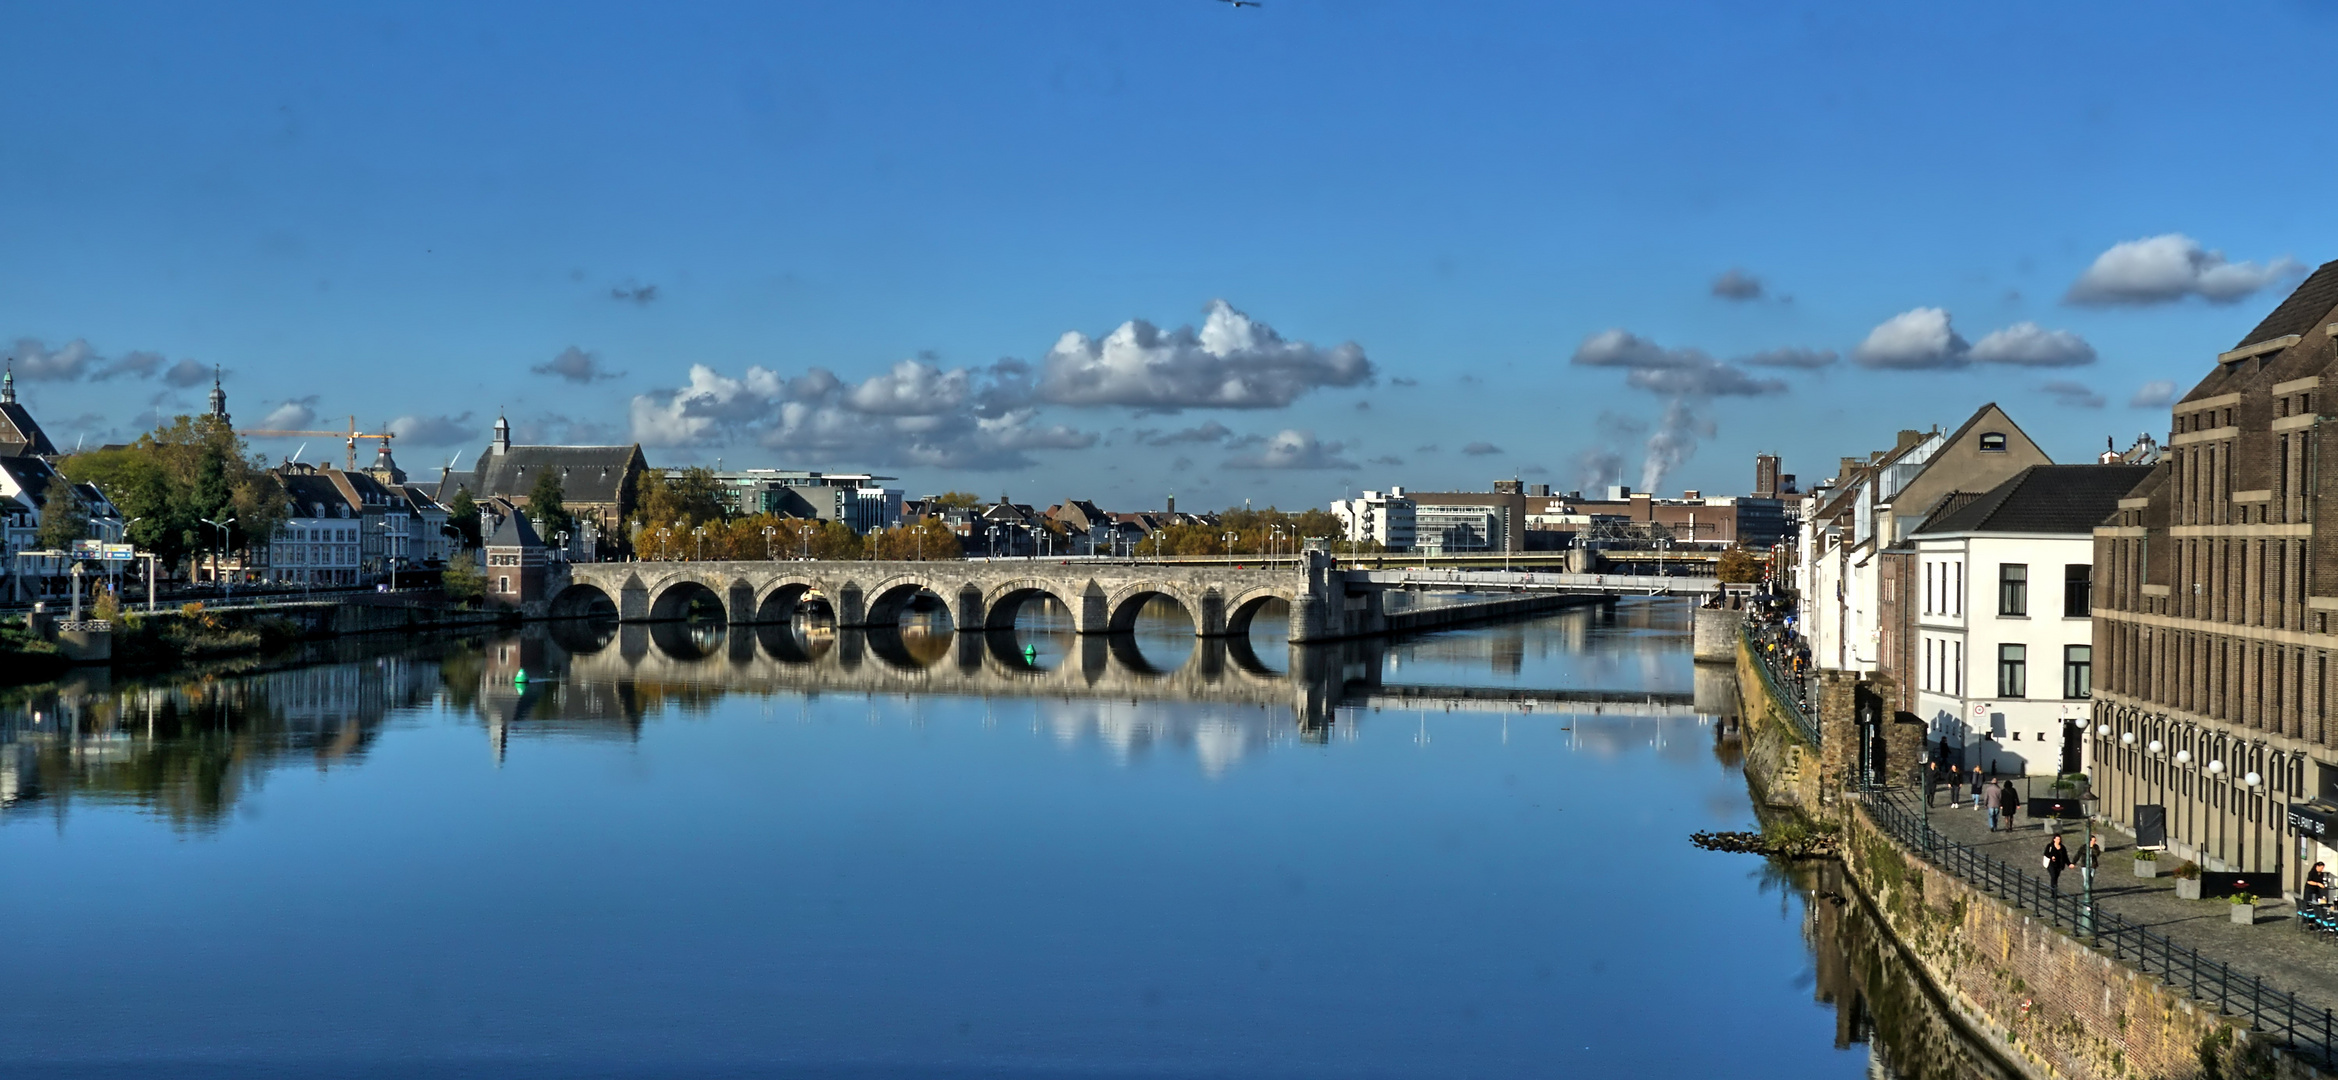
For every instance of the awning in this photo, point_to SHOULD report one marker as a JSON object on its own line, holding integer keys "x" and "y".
{"x": 2315, "y": 819}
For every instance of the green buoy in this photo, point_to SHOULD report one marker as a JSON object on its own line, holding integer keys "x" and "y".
{"x": 520, "y": 677}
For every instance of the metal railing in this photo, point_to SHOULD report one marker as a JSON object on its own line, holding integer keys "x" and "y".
{"x": 1791, "y": 692}
{"x": 2278, "y": 1015}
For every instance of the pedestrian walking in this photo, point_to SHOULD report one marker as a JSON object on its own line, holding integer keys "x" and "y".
{"x": 1956, "y": 786}
{"x": 1990, "y": 794}
{"x": 2009, "y": 801}
{"x": 1976, "y": 787}
{"x": 2090, "y": 858}
{"x": 2057, "y": 860}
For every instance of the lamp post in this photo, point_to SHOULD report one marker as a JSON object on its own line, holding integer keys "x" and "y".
{"x": 665, "y": 550}
{"x": 388, "y": 558}
{"x": 2216, "y": 769}
{"x": 700, "y": 534}
{"x": 768, "y": 533}
{"x": 216, "y": 577}
{"x": 2257, "y": 835}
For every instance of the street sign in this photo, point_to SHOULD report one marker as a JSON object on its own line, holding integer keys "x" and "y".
{"x": 88, "y": 549}
{"x": 121, "y": 552}
{"x": 101, "y": 551}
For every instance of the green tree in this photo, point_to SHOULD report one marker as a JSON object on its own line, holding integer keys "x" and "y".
{"x": 178, "y": 474}
{"x": 692, "y": 496}
{"x": 957, "y": 500}
{"x": 463, "y": 514}
{"x": 64, "y": 517}
{"x": 548, "y": 508}
{"x": 462, "y": 578}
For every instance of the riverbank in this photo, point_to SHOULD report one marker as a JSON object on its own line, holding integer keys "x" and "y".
{"x": 2055, "y": 1007}
{"x": 148, "y": 643}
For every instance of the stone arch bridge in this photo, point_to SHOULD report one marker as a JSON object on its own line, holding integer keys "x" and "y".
{"x": 1103, "y": 598}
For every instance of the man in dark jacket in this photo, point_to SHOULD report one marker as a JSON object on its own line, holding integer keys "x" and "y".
{"x": 2090, "y": 858}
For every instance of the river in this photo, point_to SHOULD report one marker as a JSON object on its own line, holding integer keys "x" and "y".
{"x": 684, "y": 852}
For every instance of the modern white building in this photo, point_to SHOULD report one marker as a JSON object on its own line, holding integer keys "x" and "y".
{"x": 2005, "y": 617}
{"x": 1386, "y": 518}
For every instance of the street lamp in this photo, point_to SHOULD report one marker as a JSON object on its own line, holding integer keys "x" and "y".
{"x": 700, "y": 534}
{"x": 2257, "y": 836}
{"x": 768, "y": 533}
{"x": 665, "y": 550}
{"x": 221, "y": 556}
{"x": 389, "y": 559}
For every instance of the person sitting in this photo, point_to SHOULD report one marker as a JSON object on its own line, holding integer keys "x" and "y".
{"x": 2317, "y": 890}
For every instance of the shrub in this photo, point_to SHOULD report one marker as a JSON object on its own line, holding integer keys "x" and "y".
{"x": 2188, "y": 869}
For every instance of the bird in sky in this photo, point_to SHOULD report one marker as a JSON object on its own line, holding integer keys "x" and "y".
{"x": 1244, "y": 3}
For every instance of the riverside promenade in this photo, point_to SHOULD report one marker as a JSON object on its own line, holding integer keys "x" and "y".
{"x": 2277, "y": 949}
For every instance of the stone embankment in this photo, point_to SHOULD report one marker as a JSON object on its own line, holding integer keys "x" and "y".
{"x": 2051, "y": 1005}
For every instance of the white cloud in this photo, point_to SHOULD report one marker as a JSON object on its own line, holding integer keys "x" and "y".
{"x": 435, "y": 430}
{"x": 1675, "y": 372}
{"x": 1294, "y": 449}
{"x": 2029, "y": 345}
{"x": 2074, "y": 395}
{"x": 2156, "y": 394}
{"x": 576, "y": 366}
{"x": 1210, "y": 432}
{"x": 912, "y": 415}
{"x": 1913, "y": 340}
{"x": 1791, "y": 357}
{"x": 1232, "y": 362}
{"x": 1736, "y": 284}
{"x": 186, "y": 373}
{"x": 293, "y": 415}
{"x": 37, "y": 362}
{"x": 2167, "y": 268}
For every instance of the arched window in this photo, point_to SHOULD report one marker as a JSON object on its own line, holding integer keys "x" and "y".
{"x": 1993, "y": 442}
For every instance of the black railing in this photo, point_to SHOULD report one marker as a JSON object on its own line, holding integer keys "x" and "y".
{"x": 1771, "y": 648}
{"x": 2278, "y": 1015}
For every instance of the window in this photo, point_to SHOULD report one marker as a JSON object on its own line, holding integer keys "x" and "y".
{"x": 503, "y": 584}
{"x": 2013, "y": 663}
{"x": 2078, "y": 590}
{"x": 1993, "y": 442}
{"x": 2077, "y": 671}
{"x": 2013, "y": 589}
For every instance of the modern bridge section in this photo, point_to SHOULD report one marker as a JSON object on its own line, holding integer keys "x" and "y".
{"x": 1541, "y": 581}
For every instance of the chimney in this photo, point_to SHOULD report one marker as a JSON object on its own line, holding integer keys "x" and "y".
{"x": 1172, "y": 505}
{"x": 1908, "y": 438}
{"x": 1692, "y": 494}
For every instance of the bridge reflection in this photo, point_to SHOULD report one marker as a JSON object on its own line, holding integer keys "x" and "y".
{"x": 564, "y": 673}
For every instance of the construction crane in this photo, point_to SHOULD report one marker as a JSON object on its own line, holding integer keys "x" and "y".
{"x": 352, "y": 435}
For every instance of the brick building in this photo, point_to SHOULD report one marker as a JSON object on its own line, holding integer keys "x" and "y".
{"x": 2213, "y": 626}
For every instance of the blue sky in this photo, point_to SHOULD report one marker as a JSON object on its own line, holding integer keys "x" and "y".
{"x": 1479, "y": 239}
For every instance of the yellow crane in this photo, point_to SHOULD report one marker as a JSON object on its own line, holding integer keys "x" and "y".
{"x": 352, "y": 435}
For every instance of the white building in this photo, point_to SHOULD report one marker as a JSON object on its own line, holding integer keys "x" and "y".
{"x": 1384, "y": 518}
{"x": 1851, "y": 534}
{"x": 2005, "y": 621}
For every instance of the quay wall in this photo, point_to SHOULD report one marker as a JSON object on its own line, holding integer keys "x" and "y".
{"x": 2049, "y": 1005}
{"x": 1508, "y": 607}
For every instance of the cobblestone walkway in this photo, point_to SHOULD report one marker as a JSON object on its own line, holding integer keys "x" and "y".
{"x": 2277, "y": 947}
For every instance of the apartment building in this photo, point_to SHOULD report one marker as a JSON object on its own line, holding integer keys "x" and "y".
{"x": 2003, "y": 617}
{"x": 2213, "y": 626}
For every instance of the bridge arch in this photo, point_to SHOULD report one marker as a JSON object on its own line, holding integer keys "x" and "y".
{"x": 672, "y": 598}
{"x": 1123, "y": 605}
{"x": 1246, "y": 606}
{"x": 582, "y": 601}
{"x": 779, "y": 600}
{"x": 888, "y": 598}
{"x": 1001, "y": 602}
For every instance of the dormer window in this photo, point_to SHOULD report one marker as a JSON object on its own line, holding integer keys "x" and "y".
{"x": 1993, "y": 442}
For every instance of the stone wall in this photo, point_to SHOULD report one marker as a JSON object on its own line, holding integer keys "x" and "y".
{"x": 2048, "y": 1004}
{"x": 2052, "y": 1005}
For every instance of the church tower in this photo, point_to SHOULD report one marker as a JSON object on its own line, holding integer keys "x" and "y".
{"x": 218, "y": 396}
{"x": 8, "y": 384}
{"x": 502, "y": 434}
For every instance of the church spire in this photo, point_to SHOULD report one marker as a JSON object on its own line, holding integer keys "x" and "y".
{"x": 8, "y": 384}
{"x": 218, "y": 395}
{"x": 502, "y": 433}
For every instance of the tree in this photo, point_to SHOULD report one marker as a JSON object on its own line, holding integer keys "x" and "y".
{"x": 548, "y": 508}
{"x": 462, "y": 579}
{"x": 694, "y": 496}
{"x": 1739, "y": 567}
{"x": 464, "y": 515}
{"x": 64, "y": 517}
{"x": 957, "y": 500}
{"x": 179, "y": 474}
{"x": 924, "y": 538}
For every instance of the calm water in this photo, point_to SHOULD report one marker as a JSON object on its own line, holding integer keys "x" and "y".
{"x": 691, "y": 853}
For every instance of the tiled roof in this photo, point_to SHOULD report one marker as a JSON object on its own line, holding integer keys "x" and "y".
{"x": 514, "y": 531}
{"x": 20, "y": 435}
{"x": 588, "y": 474}
{"x": 2044, "y": 499}
{"x": 2302, "y": 311}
